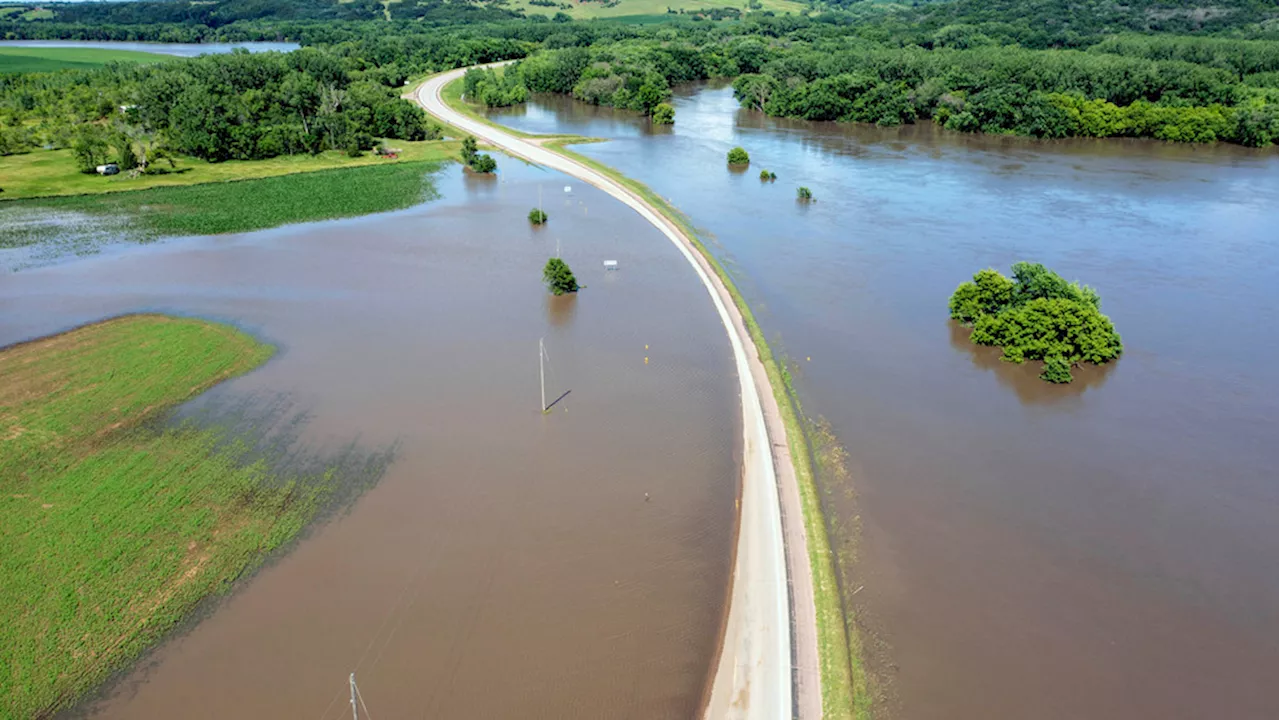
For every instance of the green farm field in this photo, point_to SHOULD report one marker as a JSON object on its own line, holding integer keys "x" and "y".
{"x": 42, "y": 59}
{"x": 240, "y": 206}
{"x": 111, "y": 527}
{"x": 46, "y": 173}
{"x": 627, "y": 8}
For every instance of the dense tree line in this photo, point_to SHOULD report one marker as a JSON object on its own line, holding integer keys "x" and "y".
{"x": 1044, "y": 68}
{"x": 217, "y": 107}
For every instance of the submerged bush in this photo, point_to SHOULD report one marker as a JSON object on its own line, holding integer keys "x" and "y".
{"x": 1037, "y": 315}
{"x": 768, "y": 175}
{"x": 558, "y": 277}
{"x": 537, "y": 217}
{"x": 738, "y": 156}
{"x": 804, "y": 193}
{"x": 663, "y": 114}
{"x": 484, "y": 163}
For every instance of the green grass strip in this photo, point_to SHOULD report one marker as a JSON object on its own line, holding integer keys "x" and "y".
{"x": 112, "y": 530}
{"x": 242, "y": 205}
{"x": 845, "y": 691}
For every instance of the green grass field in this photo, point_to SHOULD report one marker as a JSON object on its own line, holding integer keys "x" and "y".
{"x": 626, "y": 8}
{"x": 41, "y": 59}
{"x": 44, "y": 173}
{"x": 241, "y": 206}
{"x": 111, "y": 530}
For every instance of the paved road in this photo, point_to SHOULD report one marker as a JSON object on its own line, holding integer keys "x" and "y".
{"x": 754, "y": 674}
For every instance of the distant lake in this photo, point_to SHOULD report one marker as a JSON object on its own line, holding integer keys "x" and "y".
{"x": 179, "y": 49}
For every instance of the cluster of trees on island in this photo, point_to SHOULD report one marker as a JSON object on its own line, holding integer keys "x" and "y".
{"x": 1037, "y": 315}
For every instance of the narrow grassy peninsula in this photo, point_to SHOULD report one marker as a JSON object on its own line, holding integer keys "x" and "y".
{"x": 111, "y": 530}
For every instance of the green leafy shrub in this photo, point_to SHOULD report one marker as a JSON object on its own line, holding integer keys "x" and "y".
{"x": 803, "y": 193}
{"x": 1037, "y": 315}
{"x": 738, "y": 156}
{"x": 663, "y": 114}
{"x": 559, "y": 278}
{"x": 768, "y": 176}
{"x": 537, "y": 217}
{"x": 484, "y": 163}
{"x": 1056, "y": 370}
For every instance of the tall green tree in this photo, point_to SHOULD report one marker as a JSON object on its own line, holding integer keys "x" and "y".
{"x": 559, "y": 278}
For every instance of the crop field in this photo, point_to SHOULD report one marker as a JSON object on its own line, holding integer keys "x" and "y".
{"x": 112, "y": 528}
{"x": 627, "y": 8}
{"x": 44, "y": 59}
{"x": 44, "y": 173}
{"x": 215, "y": 208}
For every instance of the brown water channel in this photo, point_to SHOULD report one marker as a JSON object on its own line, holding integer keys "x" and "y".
{"x": 1102, "y": 550}
{"x": 508, "y": 564}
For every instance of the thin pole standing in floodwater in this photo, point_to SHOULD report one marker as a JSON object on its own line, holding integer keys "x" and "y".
{"x": 354, "y": 715}
{"x": 542, "y": 378}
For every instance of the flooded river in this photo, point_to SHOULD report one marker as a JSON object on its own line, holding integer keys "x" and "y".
{"x": 508, "y": 564}
{"x": 1105, "y": 549}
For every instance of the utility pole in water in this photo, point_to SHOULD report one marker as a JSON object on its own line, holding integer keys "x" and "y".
{"x": 542, "y": 382}
{"x": 354, "y": 715}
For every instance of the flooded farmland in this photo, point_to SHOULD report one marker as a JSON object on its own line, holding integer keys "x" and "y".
{"x": 508, "y": 564}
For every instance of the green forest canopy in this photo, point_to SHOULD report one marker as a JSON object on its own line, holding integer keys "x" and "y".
{"x": 1045, "y": 68}
{"x": 1037, "y": 315}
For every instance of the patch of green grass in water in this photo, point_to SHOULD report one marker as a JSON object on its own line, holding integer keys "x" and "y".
{"x": 845, "y": 692}
{"x": 111, "y": 530}
{"x": 241, "y": 206}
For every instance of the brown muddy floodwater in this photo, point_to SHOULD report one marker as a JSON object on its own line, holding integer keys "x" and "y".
{"x": 1101, "y": 550}
{"x": 507, "y": 565}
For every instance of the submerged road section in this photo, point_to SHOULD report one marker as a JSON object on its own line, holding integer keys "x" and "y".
{"x": 754, "y": 676}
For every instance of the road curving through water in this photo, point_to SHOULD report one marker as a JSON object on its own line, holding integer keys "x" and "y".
{"x": 754, "y": 676}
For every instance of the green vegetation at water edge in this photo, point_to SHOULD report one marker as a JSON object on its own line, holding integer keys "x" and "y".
{"x": 559, "y": 278}
{"x": 46, "y": 59}
{"x": 46, "y": 173}
{"x": 663, "y": 114}
{"x": 241, "y": 206}
{"x": 1037, "y": 315}
{"x": 477, "y": 161}
{"x": 112, "y": 529}
{"x": 738, "y": 156}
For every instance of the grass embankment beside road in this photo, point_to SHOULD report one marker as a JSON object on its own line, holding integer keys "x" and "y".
{"x": 111, "y": 529}
{"x": 46, "y": 173}
{"x": 21, "y": 59}
{"x": 226, "y": 207}
{"x": 845, "y": 693}
{"x": 451, "y": 94}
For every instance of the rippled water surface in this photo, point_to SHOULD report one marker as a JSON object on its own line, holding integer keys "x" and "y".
{"x": 1105, "y": 549}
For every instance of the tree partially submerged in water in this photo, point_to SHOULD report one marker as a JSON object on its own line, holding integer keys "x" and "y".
{"x": 537, "y": 217}
{"x": 663, "y": 114}
{"x": 559, "y": 278}
{"x": 739, "y": 156}
{"x": 1037, "y": 315}
{"x": 804, "y": 194}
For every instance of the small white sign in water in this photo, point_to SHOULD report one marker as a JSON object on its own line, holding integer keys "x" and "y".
{"x": 568, "y": 189}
